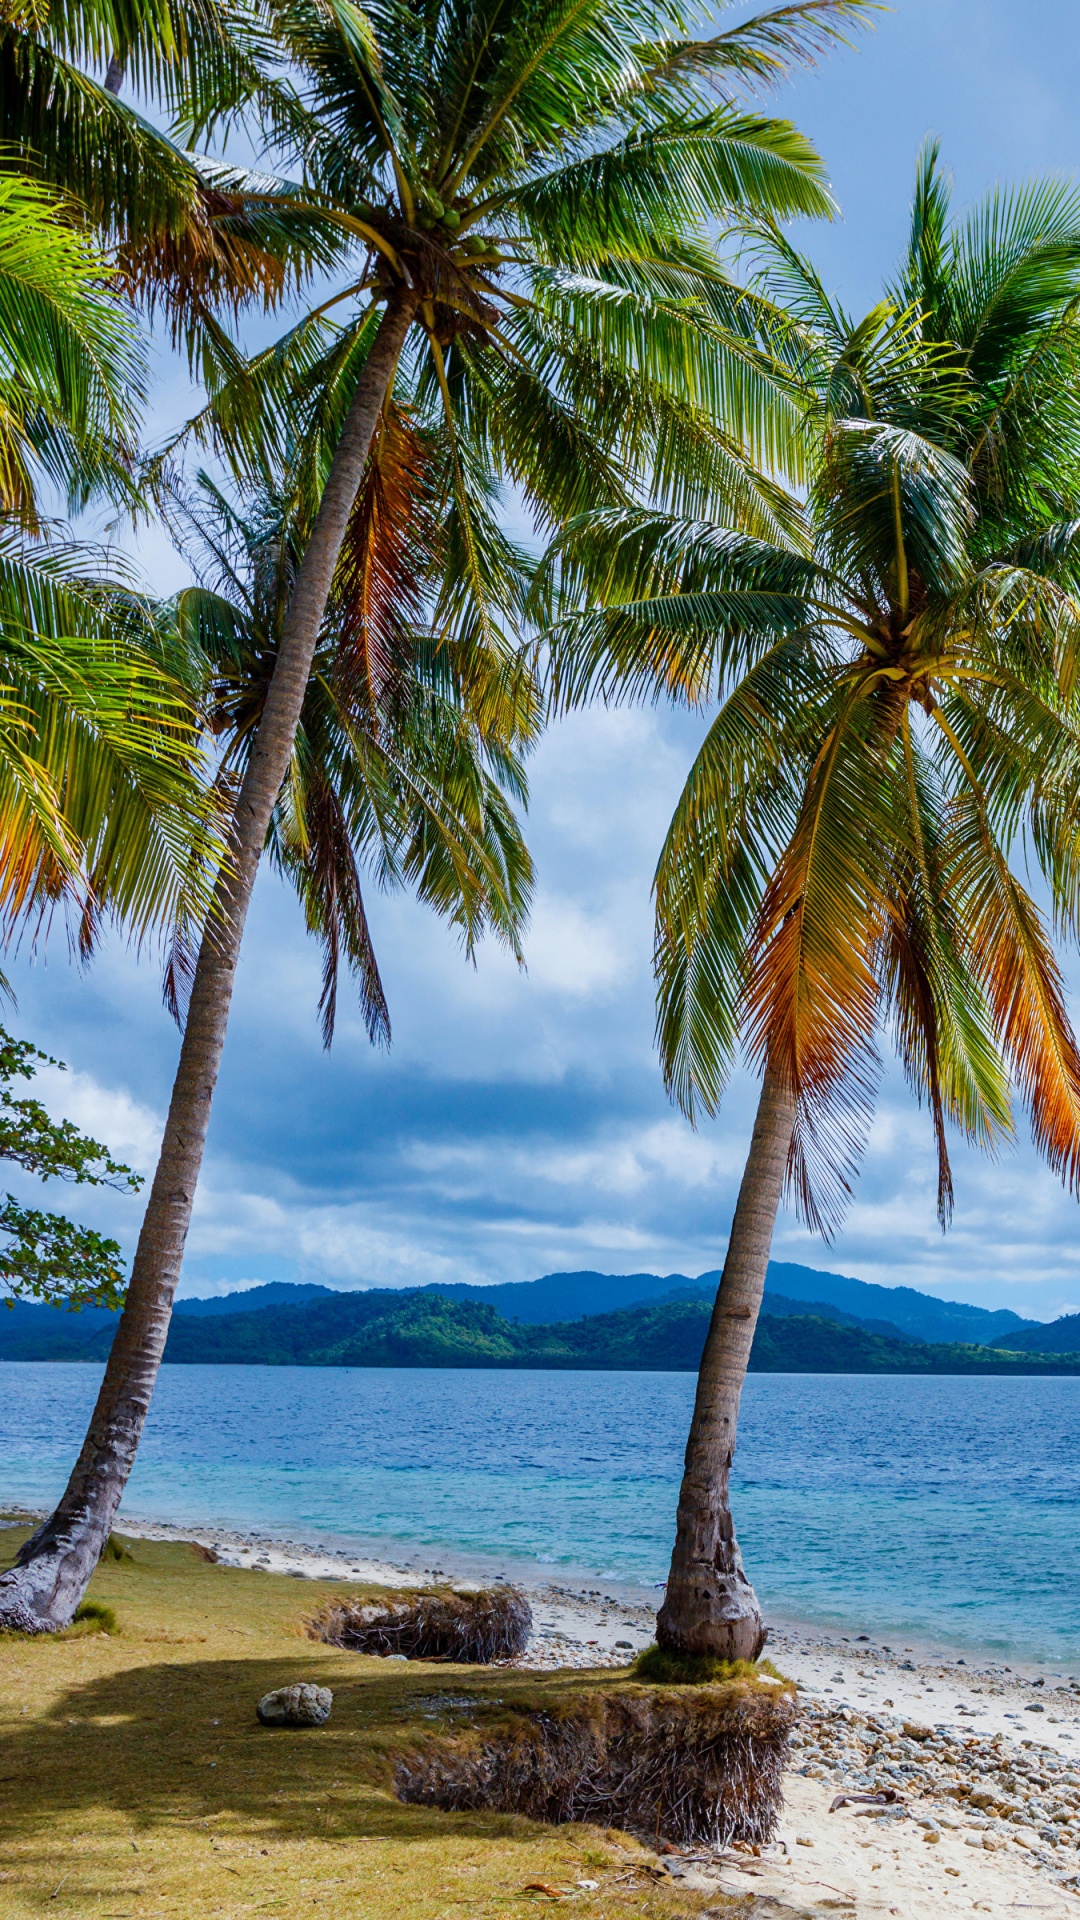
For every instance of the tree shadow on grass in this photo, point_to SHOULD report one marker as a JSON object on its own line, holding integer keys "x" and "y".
{"x": 180, "y": 1739}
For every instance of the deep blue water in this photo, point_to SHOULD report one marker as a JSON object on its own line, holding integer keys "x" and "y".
{"x": 942, "y": 1508}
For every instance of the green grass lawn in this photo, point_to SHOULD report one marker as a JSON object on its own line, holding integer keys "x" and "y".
{"x": 136, "y": 1781}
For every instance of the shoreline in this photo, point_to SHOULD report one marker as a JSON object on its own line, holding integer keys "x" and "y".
{"x": 980, "y": 1758}
{"x": 579, "y": 1626}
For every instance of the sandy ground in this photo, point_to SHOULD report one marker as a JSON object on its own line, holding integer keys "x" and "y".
{"x": 981, "y": 1759}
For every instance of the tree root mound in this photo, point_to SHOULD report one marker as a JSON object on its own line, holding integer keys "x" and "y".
{"x": 434, "y": 1624}
{"x": 700, "y": 1767}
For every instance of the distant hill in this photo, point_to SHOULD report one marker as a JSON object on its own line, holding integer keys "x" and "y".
{"x": 918, "y": 1316}
{"x": 31, "y": 1332}
{"x": 422, "y": 1329}
{"x": 779, "y": 1306}
{"x": 274, "y": 1293}
{"x": 1061, "y": 1336}
{"x": 567, "y": 1296}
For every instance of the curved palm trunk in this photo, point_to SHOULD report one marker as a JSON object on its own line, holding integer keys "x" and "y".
{"x": 42, "y": 1591}
{"x": 710, "y": 1606}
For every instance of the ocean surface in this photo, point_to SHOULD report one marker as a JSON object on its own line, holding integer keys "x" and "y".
{"x": 943, "y": 1510}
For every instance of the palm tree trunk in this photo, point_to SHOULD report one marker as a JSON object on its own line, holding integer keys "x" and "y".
{"x": 710, "y": 1607}
{"x": 42, "y": 1591}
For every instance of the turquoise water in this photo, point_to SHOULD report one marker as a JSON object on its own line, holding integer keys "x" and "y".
{"x": 940, "y": 1508}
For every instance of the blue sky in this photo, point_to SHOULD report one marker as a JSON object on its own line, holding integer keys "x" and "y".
{"x": 518, "y": 1124}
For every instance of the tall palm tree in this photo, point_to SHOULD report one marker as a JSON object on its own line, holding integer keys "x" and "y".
{"x": 529, "y": 192}
{"x": 898, "y": 728}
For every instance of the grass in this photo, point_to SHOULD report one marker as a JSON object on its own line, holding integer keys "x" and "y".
{"x": 93, "y": 1617}
{"x": 135, "y": 1780}
{"x": 663, "y": 1669}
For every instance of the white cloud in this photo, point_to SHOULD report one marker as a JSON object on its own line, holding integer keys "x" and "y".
{"x": 572, "y": 952}
{"x": 126, "y": 1126}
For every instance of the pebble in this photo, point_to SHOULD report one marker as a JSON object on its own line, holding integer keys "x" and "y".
{"x": 1002, "y": 1793}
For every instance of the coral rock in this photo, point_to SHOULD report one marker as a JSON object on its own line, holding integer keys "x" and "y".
{"x": 302, "y": 1705}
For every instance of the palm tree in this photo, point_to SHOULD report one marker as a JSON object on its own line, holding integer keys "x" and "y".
{"x": 394, "y": 769}
{"x": 529, "y": 195}
{"x": 899, "y": 724}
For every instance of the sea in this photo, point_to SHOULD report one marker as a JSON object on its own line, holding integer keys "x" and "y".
{"x": 940, "y": 1511}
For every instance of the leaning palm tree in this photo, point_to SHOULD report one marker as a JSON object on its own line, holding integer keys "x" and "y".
{"x": 899, "y": 727}
{"x": 530, "y": 198}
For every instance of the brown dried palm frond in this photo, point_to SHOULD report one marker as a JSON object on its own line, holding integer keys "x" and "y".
{"x": 387, "y": 561}
{"x": 812, "y": 998}
{"x": 1013, "y": 959}
{"x": 439, "y": 1624}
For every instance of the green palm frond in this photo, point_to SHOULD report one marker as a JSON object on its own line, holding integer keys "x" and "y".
{"x": 103, "y": 802}
{"x": 71, "y": 372}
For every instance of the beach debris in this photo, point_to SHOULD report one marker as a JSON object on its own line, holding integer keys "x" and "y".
{"x": 884, "y": 1797}
{"x": 301, "y": 1705}
{"x": 692, "y": 1765}
{"x": 433, "y": 1623}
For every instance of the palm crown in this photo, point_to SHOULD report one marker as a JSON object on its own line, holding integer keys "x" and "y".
{"x": 544, "y": 181}
{"x": 899, "y": 714}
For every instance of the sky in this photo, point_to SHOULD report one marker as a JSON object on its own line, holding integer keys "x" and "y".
{"x": 518, "y": 1124}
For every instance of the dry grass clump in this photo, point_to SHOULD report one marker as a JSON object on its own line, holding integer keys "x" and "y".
{"x": 432, "y": 1624}
{"x": 695, "y": 1767}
